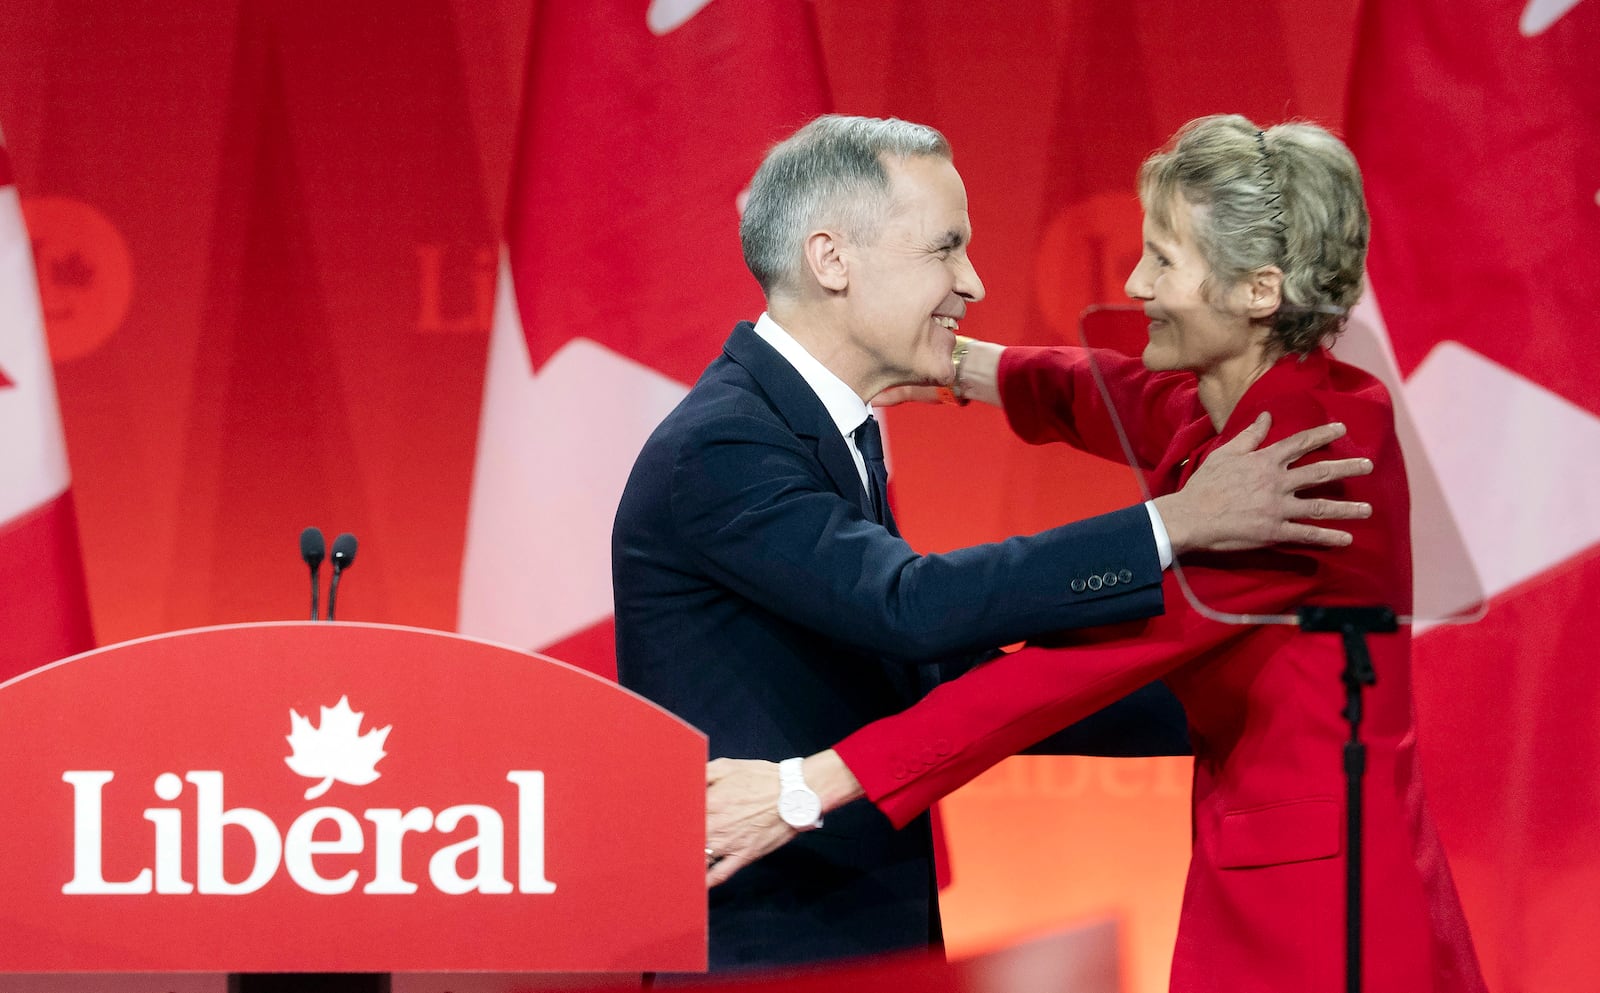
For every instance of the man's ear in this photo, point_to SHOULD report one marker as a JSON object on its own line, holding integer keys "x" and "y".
{"x": 1264, "y": 291}
{"x": 825, "y": 261}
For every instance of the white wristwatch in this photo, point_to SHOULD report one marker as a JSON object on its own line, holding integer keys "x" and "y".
{"x": 798, "y": 804}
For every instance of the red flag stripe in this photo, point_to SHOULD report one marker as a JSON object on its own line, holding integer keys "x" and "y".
{"x": 628, "y": 152}
{"x": 1475, "y": 143}
{"x": 41, "y": 573}
{"x": 594, "y": 648}
{"x": 686, "y": 117}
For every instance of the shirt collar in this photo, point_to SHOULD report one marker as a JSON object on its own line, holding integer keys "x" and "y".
{"x": 846, "y": 410}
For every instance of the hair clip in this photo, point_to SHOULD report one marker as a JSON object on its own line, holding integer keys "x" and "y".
{"x": 1274, "y": 197}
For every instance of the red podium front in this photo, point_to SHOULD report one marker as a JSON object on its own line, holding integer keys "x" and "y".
{"x": 340, "y": 797}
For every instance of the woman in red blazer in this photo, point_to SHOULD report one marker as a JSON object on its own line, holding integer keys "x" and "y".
{"x": 1254, "y": 246}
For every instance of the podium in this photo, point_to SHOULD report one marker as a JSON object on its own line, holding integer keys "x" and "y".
{"x": 337, "y": 797}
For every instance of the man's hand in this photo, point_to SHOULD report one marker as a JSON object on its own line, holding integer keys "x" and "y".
{"x": 1246, "y": 498}
{"x": 742, "y": 822}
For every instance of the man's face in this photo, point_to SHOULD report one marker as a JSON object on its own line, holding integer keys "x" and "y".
{"x": 911, "y": 284}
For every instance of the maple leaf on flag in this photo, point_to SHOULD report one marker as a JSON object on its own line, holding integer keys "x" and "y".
{"x": 336, "y": 749}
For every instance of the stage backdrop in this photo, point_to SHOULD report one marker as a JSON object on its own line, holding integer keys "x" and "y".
{"x": 268, "y": 238}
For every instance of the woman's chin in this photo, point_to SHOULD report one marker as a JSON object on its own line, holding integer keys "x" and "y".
{"x": 1158, "y": 359}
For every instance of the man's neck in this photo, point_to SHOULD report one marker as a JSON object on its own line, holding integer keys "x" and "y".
{"x": 817, "y": 331}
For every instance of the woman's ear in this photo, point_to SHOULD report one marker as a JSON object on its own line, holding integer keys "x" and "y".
{"x": 1264, "y": 289}
{"x": 826, "y": 262}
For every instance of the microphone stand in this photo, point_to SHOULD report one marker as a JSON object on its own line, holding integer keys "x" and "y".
{"x": 315, "y": 982}
{"x": 333, "y": 588}
{"x": 1353, "y": 624}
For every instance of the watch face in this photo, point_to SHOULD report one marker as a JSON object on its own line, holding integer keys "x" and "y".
{"x": 799, "y": 808}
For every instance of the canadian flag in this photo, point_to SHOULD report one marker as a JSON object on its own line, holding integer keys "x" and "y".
{"x": 1477, "y": 123}
{"x": 44, "y": 610}
{"x": 619, "y": 278}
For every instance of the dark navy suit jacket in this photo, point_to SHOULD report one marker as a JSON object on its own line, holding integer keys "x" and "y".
{"x": 757, "y": 598}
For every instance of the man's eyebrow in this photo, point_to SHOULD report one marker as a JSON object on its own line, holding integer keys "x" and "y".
{"x": 952, "y": 238}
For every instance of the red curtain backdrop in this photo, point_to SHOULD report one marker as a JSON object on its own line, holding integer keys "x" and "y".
{"x": 268, "y": 237}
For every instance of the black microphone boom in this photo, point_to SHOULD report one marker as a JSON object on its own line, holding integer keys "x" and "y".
{"x": 312, "y": 549}
{"x": 344, "y": 553}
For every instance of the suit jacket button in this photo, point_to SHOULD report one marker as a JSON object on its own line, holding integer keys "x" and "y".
{"x": 899, "y": 771}
{"x": 1125, "y": 575}
{"x": 1110, "y": 578}
{"x": 1095, "y": 582}
{"x": 1077, "y": 586}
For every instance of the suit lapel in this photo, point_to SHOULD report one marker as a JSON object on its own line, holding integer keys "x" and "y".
{"x": 799, "y": 407}
{"x": 805, "y": 415}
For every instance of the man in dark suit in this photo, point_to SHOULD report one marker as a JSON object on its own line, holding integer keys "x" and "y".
{"x": 762, "y": 590}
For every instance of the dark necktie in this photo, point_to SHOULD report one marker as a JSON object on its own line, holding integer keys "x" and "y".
{"x": 870, "y": 444}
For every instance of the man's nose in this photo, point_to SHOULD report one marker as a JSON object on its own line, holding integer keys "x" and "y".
{"x": 968, "y": 285}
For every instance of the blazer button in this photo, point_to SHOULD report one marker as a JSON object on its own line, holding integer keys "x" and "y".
{"x": 1095, "y": 582}
{"x": 899, "y": 771}
{"x": 1110, "y": 578}
{"x": 1125, "y": 575}
{"x": 1077, "y": 586}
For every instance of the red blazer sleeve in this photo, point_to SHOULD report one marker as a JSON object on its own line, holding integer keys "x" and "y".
{"x": 907, "y": 761}
{"x": 1051, "y": 394}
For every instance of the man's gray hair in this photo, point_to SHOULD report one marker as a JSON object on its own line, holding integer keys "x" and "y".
{"x": 829, "y": 173}
{"x": 1288, "y": 196}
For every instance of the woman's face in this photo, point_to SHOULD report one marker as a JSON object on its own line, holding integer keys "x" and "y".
{"x": 1190, "y": 330}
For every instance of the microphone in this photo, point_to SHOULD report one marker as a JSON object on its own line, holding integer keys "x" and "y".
{"x": 312, "y": 549}
{"x": 344, "y": 553}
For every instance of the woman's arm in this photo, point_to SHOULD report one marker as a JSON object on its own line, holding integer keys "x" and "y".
{"x": 903, "y": 763}
{"x": 977, "y": 371}
{"x": 1081, "y": 397}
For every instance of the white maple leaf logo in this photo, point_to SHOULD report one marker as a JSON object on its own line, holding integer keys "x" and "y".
{"x": 336, "y": 749}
